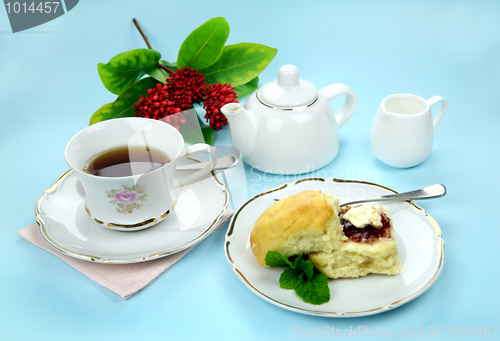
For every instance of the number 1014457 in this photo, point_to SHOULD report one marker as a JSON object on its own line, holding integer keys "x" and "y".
{"x": 27, "y": 7}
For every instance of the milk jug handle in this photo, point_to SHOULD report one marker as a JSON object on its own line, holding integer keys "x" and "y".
{"x": 350, "y": 104}
{"x": 442, "y": 110}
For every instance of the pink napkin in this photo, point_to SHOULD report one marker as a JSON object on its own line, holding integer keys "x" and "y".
{"x": 123, "y": 279}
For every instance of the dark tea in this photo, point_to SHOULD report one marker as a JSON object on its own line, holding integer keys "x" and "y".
{"x": 126, "y": 161}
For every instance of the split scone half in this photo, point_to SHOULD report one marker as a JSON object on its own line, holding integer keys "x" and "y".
{"x": 370, "y": 246}
{"x": 302, "y": 223}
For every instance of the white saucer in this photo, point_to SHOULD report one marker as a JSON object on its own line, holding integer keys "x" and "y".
{"x": 420, "y": 247}
{"x": 67, "y": 227}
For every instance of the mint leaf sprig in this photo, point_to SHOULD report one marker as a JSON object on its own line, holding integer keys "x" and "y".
{"x": 309, "y": 285}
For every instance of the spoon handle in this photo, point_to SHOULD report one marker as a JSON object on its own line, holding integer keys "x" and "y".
{"x": 224, "y": 162}
{"x": 433, "y": 191}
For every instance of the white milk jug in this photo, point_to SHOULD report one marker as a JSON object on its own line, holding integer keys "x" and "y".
{"x": 403, "y": 131}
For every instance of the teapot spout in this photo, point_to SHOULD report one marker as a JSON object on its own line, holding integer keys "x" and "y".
{"x": 230, "y": 110}
{"x": 242, "y": 127}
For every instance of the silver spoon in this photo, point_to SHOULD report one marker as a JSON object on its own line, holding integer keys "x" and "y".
{"x": 224, "y": 162}
{"x": 434, "y": 191}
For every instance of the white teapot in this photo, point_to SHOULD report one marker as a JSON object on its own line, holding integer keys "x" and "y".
{"x": 287, "y": 126}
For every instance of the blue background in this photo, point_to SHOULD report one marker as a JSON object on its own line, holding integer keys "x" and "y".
{"x": 49, "y": 87}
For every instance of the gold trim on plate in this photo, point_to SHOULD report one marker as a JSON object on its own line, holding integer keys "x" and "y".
{"x": 149, "y": 221}
{"x": 131, "y": 226}
{"x": 49, "y": 190}
{"x": 227, "y": 251}
{"x": 308, "y": 179}
{"x": 41, "y": 223}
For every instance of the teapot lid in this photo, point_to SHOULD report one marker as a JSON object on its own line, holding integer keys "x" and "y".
{"x": 288, "y": 90}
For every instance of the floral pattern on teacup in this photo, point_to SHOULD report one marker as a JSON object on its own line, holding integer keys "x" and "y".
{"x": 127, "y": 198}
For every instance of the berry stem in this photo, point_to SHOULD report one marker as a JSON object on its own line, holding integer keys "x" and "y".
{"x": 165, "y": 68}
{"x": 142, "y": 33}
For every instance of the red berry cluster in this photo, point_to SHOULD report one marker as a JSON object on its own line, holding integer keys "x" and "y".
{"x": 157, "y": 105}
{"x": 183, "y": 89}
{"x": 174, "y": 120}
{"x": 186, "y": 87}
{"x": 217, "y": 96}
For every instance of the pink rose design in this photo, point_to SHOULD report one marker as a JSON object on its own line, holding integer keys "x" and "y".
{"x": 125, "y": 197}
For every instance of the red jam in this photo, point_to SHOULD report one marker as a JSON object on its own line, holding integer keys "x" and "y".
{"x": 368, "y": 233}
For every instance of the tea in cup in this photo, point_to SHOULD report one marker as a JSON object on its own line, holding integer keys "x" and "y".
{"x": 403, "y": 130}
{"x": 126, "y": 167}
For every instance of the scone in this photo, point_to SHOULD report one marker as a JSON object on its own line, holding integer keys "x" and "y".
{"x": 304, "y": 222}
{"x": 370, "y": 246}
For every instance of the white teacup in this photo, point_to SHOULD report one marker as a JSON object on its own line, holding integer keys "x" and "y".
{"x": 130, "y": 203}
{"x": 403, "y": 131}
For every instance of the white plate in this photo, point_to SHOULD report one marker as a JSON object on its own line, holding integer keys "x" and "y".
{"x": 66, "y": 226}
{"x": 420, "y": 248}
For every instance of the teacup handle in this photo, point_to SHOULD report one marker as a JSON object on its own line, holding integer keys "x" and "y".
{"x": 350, "y": 104}
{"x": 442, "y": 110}
{"x": 199, "y": 148}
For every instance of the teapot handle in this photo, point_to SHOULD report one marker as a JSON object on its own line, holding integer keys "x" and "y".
{"x": 350, "y": 104}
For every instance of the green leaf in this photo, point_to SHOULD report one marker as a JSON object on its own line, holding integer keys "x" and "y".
{"x": 315, "y": 290}
{"x": 190, "y": 129}
{"x": 274, "y": 258}
{"x": 208, "y": 134}
{"x": 203, "y": 124}
{"x": 193, "y": 130}
{"x": 298, "y": 260}
{"x": 126, "y": 68}
{"x": 247, "y": 88}
{"x": 203, "y": 47}
{"x": 291, "y": 278}
{"x": 239, "y": 63}
{"x": 306, "y": 266}
{"x": 172, "y": 66}
{"x": 123, "y": 106}
{"x": 158, "y": 73}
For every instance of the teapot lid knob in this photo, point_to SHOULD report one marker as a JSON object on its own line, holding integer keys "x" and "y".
{"x": 288, "y": 91}
{"x": 288, "y": 75}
